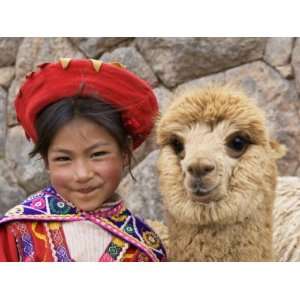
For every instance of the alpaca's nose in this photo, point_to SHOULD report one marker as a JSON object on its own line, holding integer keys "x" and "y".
{"x": 201, "y": 168}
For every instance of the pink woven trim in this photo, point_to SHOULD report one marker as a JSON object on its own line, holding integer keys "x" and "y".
{"x": 43, "y": 218}
{"x": 58, "y": 239}
{"x": 102, "y": 213}
{"x": 116, "y": 231}
{"x": 106, "y": 212}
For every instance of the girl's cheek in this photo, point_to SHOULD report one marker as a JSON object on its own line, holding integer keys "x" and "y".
{"x": 60, "y": 176}
{"x": 111, "y": 169}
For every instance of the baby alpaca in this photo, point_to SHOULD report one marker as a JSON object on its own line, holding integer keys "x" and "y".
{"x": 218, "y": 175}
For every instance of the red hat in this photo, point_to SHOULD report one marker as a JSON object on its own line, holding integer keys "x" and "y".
{"x": 110, "y": 82}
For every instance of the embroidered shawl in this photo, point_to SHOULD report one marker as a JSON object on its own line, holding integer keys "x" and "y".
{"x": 127, "y": 229}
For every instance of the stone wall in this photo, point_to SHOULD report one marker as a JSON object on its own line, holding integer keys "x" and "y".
{"x": 267, "y": 68}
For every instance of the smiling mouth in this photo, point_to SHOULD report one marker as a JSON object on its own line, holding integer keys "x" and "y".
{"x": 87, "y": 190}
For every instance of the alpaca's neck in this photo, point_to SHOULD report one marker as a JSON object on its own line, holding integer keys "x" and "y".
{"x": 247, "y": 241}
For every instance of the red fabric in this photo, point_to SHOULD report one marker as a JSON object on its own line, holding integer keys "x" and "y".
{"x": 116, "y": 86}
{"x": 8, "y": 247}
{"x": 41, "y": 242}
{"x": 11, "y": 236}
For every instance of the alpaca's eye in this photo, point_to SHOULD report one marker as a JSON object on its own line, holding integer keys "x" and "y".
{"x": 177, "y": 145}
{"x": 237, "y": 145}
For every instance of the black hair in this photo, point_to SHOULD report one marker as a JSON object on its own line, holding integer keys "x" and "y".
{"x": 56, "y": 115}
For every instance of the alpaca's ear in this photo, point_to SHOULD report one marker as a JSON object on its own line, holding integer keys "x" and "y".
{"x": 278, "y": 150}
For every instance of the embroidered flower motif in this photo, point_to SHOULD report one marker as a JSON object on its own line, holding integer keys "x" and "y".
{"x": 129, "y": 229}
{"x": 34, "y": 196}
{"x": 114, "y": 250}
{"x": 60, "y": 204}
{"x": 58, "y": 207}
{"x": 151, "y": 239}
{"x": 17, "y": 210}
{"x": 38, "y": 203}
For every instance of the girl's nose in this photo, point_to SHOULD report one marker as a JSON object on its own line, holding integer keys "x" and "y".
{"x": 83, "y": 172}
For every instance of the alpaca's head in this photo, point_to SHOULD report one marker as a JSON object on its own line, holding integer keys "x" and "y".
{"x": 217, "y": 162}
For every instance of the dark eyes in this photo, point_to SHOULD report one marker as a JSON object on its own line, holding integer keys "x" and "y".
{"x": 177, "y": 145}
{"x": 66, "y": 158}
{"x": 99, "y": 153}
{"x": 62, "y": 158}
{"x": 237, "y": 144}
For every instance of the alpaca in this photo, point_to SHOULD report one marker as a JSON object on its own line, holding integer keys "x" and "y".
{"x": 217, "y": 172}
{"x": 286, "y": 215}
{"x": 286, "y": 224}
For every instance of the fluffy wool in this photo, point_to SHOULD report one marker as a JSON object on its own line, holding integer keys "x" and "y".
{"x": 286, "y": 214}
{"x": 233, "y": 221}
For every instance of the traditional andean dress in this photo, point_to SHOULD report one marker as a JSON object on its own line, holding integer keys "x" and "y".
{"x": 45, "y": 227}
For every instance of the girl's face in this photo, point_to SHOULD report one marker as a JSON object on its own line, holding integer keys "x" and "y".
{"x": 85, "y": 164}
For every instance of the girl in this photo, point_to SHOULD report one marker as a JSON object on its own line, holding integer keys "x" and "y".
{"x": 84, "y": 117}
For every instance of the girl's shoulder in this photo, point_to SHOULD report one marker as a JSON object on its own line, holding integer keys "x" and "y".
{"x": 42, "y": 205}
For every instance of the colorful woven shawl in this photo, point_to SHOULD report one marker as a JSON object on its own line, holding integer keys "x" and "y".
{"x": 48, "y": 206}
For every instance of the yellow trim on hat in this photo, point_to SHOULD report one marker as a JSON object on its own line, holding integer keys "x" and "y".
{"x": 96, "y": 64}
{"x": 65, "y": 62}
{"x": 117, "y": 64}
